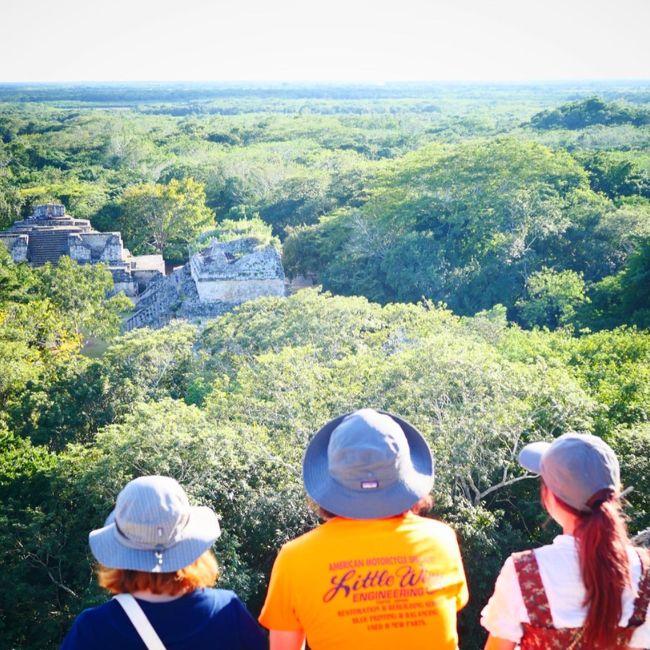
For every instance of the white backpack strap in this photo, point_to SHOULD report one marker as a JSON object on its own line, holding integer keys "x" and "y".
{"x": 140, "y": 621}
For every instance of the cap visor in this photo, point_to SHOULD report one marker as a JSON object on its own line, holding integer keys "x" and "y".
{"x": 530, "y": 457}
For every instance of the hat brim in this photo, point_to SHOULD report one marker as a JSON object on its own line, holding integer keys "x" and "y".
{"x": 530, "y": 457}
{"x": 374, "y": 503}
{"x": 199, "y": 534}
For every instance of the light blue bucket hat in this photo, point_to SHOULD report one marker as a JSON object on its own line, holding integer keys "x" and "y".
{"x": 153, "y": 528}
{"x": 368, "y": 465}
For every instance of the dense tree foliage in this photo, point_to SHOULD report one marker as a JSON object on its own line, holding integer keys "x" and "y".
{"x": 551, "y": 298}
{"x": 587, "y": 112}
{"x": 615, "y": 177}
{"x": 469, "y": 225}
{"x": 624, "y": 297}
{"x": 506, "y": 258}
{"x": 230, "y": 229}
{"x": 46, "y": 316}
{"x": 164, "y": 219}
{"x": 229, "y": 410}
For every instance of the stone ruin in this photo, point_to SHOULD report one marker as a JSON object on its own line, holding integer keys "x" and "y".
{"x": 49, "y": 233}
{"x": 215, "y": 280}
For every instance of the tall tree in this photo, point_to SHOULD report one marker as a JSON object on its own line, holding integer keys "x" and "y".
{"x": 164, "y": 219}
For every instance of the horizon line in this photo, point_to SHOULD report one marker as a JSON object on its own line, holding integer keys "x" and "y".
{"x": 369, "y": 82}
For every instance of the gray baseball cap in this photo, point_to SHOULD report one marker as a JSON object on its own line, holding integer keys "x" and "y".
{"x": 153, "y": 528}
{"x": 368, "y": 465}
{"x": 574, "y": 467}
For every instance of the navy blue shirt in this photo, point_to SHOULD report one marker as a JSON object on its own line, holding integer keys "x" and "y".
{"x": 213, "y": 619}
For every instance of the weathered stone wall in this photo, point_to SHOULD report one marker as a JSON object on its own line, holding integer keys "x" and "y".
{"x": 145, "y": 263}
{"x": 236, "y": 271}
{"x": 143, "y": 278}
{"x": 49, "y": 210}
{"x": 95, "y": 240}
{"x": 113, "y": 250}
{"x": 214, "y": 281}
{"x": 236, "y": 291}
{"x": 17, "y": 246}
{"x": 124, "y": 281}
{"x": 78, "y": 250}
{"x": 237, "y": 260}
{"x": 105, "y": 246}
{"x": 20, "y": 248}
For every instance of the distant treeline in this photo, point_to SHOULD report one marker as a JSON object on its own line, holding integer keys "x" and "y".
{"x": 466, "y": 202}
{"x": 589, "y": 112}
{"x": 136, "y": 92}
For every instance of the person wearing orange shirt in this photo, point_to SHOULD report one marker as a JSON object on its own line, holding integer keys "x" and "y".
{"x": 375, "y": 574}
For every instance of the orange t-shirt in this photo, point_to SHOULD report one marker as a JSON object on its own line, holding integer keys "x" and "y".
{"x": 379, "y": 583}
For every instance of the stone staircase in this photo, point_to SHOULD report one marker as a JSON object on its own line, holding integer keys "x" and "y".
{"x": 172, "y": 297}
{"x": 47, "y": 246}
{"x": 155, "y": 315}
{"x": 160, "y": 301}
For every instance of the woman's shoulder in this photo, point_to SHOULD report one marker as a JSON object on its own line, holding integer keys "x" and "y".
{"x": 562, "y": 546}
{"x": 90, "y": 625}
{"x": 219, "y": 597}
{"x": 216, "y": 594}
{"x": 235, "y": 625}
{"x": 98, "y": 614}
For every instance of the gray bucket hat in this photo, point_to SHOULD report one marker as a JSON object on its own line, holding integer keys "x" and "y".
{"x": 153, "y": 528}
{"x": 575, "y": 467}
{"x": 368, "y": 465}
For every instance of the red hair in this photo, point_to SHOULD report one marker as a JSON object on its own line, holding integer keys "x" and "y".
{"x": 203, "y": 572}
{"x": 602, "y": 548}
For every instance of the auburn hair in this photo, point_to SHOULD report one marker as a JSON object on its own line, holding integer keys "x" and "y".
{"x": 203, "y": 572}
{"x": 603, "y": 541}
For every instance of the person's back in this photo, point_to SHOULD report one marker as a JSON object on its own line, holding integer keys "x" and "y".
{"x": 376, "y": 583}
{"x": 375, "y": 575}
{"x": 196, "y": 620}
{"x": 590, "y": 589}
{"x": 154, "y": 555}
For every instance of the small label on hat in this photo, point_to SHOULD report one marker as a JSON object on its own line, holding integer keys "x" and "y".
{"x": 369, "y": 485}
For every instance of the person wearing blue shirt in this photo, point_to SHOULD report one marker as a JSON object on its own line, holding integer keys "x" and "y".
{"x": 154, "y": 555}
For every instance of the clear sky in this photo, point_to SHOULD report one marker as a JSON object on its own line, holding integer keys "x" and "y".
{"x": 326, "y": 40}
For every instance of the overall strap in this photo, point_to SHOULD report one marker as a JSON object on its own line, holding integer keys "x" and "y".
{"x": 140, "y": 621}
{"x": 643, "y": 593}
{"x": 532, "y": 589}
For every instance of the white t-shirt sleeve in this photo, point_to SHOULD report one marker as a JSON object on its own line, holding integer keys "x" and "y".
{"x": 505, "y": 612}
{"x": 641, "y": 636}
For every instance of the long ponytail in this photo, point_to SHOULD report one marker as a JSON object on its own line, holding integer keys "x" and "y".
{"x": 604, "y": 563}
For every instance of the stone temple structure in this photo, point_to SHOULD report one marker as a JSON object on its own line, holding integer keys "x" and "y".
{"x": 215, "y": 280}
{"x": 50, "y": 233}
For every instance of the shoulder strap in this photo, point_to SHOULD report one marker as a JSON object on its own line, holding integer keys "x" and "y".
{"x": 532, "y": 589}
{"x": 643, "y": 593}
{"x": 140, "y": 621}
